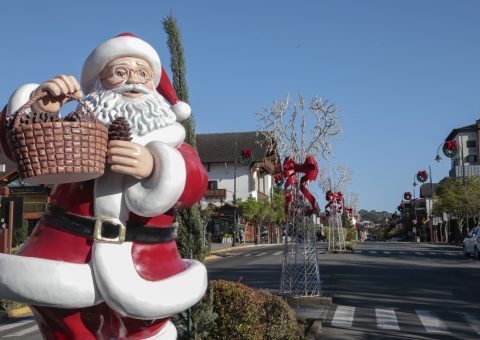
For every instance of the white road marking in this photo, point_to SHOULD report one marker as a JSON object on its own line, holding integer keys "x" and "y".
{"x": 247, "y": 254}
{"x": 386, "y": 252}
{"x": 261, "y": 254}
{"x": 402, "y": 252}
{"x": 472, "y": 322}
{"x": 16, "y": 324}
{"x": 357, "y": 251}
{"x": 431, "y": 323}
{"x": 432, "y": 253}
{"x": 386, "y": 319}
{"x": 372, "y": 251}
{"x": 278, "y": 253}
{"x": 419, "y": 253}
{"x": 343, "y": 316}
{"x": 23, "y": 332}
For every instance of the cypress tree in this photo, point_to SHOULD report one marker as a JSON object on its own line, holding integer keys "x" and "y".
{"x": 190, "y": 230}
{"x": 197, "y": 321}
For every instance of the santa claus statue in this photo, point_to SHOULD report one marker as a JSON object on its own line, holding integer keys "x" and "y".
{"x": 102, "y": 262}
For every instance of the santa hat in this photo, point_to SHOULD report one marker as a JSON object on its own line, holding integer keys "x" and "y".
{"x": 128, "y": 45}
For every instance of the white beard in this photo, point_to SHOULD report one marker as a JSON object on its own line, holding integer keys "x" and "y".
{"x": 146, "y": 114}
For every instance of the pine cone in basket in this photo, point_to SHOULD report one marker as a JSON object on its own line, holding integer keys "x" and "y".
{"x": 35, "y": 117}
{"x": 119, "y": 130}
{"x": 79, "y": 116}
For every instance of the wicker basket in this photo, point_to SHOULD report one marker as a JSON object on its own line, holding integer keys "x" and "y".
{"x": 58, "y": 152}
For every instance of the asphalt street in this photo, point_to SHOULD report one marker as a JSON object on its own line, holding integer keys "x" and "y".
{"x": 382, "y": 290}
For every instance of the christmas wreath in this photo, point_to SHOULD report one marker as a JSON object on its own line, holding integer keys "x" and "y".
{"x": 279, "y": 181}
{"x": 450, "y": 148}
{"x": 422, "y": 176}
{"x": 407, "y": 195}
{"x": 247, "y": 156}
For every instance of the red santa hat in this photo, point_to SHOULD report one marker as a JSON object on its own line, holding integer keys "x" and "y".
{"x": 128, "y": 45}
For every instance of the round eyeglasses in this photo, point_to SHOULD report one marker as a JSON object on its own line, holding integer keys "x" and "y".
{"x": 143, "y": 73}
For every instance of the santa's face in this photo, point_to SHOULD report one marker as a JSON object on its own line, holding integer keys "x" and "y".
{"x": 127, "y": 70}
{"x": 125, "y": 89}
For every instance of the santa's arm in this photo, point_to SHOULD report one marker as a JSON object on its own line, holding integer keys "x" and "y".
{"x": 178, "y": 180}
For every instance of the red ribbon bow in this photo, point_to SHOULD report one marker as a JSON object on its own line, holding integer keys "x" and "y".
{"x": 334, "y": 200}
{"x": 422, "y": 174}
{"x": 451, "y": 145}
{"x": 310, "y": 170}
{"x": 246, "y": 153}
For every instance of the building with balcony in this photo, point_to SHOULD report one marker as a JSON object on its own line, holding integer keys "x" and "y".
{"x": 466, "y": 160}
{"x": 229, "y": 175}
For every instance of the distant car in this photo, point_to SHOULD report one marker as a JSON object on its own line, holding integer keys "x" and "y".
{"x": 395, "y": 239}
{"x": 471, "y": 243}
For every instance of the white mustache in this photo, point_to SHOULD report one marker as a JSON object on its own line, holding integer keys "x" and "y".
{"x": 131, "y": 87}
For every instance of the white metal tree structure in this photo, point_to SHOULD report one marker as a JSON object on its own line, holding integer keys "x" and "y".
{"x": 284, "y": 125}
{"x": 333, "y": 182}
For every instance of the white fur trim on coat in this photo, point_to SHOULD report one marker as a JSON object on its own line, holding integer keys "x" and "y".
{"x": 20, "y": 97}
{"x": 49, "y": 283}
{"x": 126, "y": 292}
{"x": 159, "y": 192}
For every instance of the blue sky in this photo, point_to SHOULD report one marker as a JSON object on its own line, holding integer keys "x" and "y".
{"x": 405, "y": 73}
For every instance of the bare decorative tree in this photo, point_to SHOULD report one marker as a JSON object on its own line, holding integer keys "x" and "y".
{"x": 284, "y": 125}
{"x": 334, "y": 181}
{"x": 285, "y": 128}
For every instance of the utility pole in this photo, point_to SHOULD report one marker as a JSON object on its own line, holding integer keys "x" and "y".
{"x": 235, "y": 198}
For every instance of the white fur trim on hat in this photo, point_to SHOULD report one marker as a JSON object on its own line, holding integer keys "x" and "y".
{"x": 122, "y": 46}
{"x": 127, "y": 293}
{"x": 182, "y": 110}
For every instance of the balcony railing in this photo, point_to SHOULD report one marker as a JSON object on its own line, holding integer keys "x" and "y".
{"x": 470, "y": 170}
{"x": 216, "y": 193}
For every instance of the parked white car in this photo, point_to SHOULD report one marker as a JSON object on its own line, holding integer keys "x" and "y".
{"x": 471, "y": 243}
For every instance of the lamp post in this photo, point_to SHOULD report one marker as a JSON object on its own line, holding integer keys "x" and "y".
{"x": 422, "y": 177}
{"x": 450, "y": 150}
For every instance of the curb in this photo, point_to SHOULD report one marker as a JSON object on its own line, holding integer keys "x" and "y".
{"x": 226, "y": 250}
{"x": 15, "y": 313}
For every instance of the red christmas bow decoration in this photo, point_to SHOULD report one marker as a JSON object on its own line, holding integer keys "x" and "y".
{"x": 310, "y": 170}
{"x": 407, "y": 195}
{"x": 451, "y": 145}
{"x": 247, "y": 153}
{"x": 334, "y": 200}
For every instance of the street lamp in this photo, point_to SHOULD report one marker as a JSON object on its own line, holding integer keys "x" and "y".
{"x": 422, "y": 176}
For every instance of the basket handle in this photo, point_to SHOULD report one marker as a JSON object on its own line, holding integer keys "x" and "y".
{"x": 20, "y": 112}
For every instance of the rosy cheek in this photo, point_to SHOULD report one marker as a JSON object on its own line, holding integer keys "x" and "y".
{"x": 149, "y": 85}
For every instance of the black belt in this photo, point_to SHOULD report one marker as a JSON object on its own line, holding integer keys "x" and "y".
{"x": 104, "y": 229}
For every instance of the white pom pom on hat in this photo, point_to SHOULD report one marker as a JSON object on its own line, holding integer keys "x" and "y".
{"x": 128, "y": 45}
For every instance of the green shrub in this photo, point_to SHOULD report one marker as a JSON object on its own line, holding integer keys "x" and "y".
{"x": 279, "y": 321}
{"x": 239, "y": 312}
{"x": 244, "y": 313}
{"x": 20, "y": 234}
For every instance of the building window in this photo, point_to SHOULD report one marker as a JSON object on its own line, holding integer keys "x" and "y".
{"x": 471, "y": 159}
{"x": 471, "y": 143}
{"x": 212, "y": 185}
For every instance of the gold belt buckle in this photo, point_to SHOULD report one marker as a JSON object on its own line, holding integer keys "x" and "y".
{"x": 97, "y": 231}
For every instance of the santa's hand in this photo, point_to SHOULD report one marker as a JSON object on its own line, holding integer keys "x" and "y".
{"x": 57, "y": 88}
{"x": 130, "y": 158}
